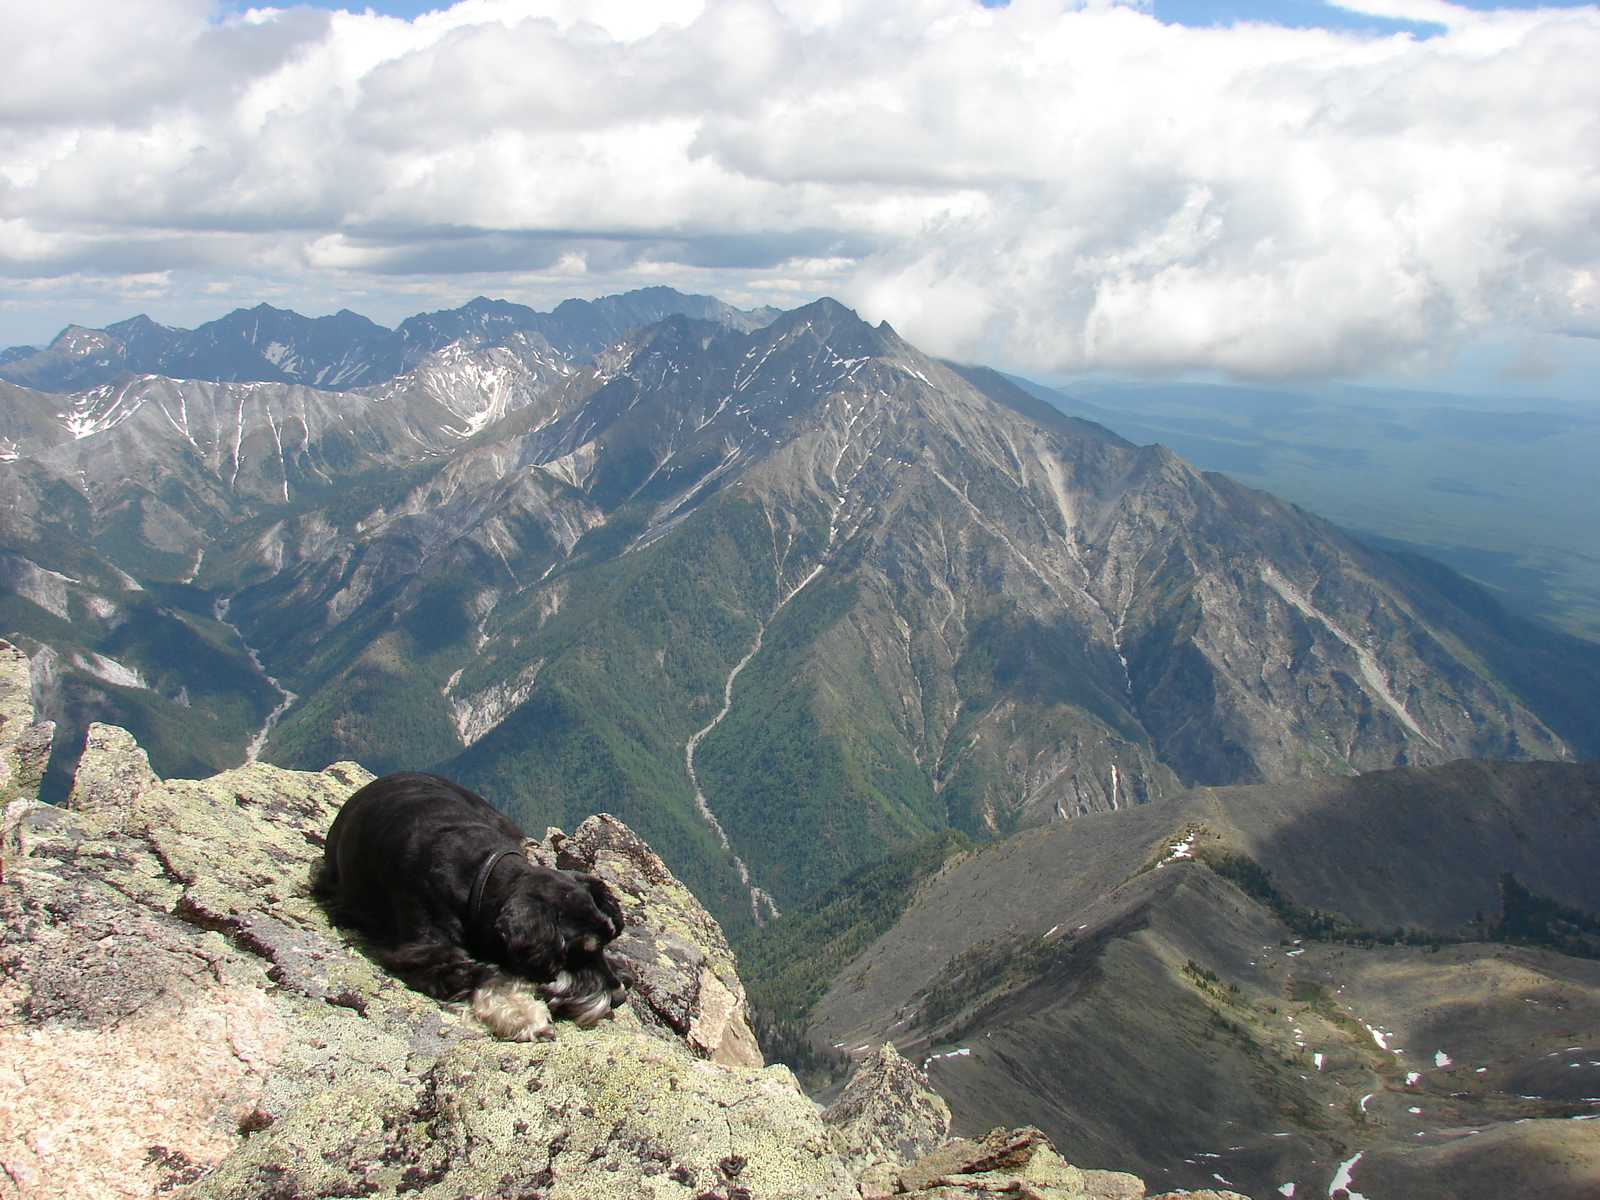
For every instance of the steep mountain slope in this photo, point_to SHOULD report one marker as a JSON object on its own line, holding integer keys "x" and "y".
{"x": 343, "y": 351}
{"x": 871, "y": 599}
{"x": 138, "y": 479}
{"x": 1500, "y": 488}
{"x": 1215, "y": 979}
{"x": 783, "y": 599}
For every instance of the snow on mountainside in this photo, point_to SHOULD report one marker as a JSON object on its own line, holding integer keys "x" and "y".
{"x": 877, "y": 596}
{"x": 346, "y": 350}
{"x": 790, "y": 596}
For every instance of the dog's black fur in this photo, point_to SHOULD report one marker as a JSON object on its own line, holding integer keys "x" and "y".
{"x": 400, "y": 865}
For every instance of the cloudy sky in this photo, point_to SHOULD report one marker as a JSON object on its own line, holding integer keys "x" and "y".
{"x": 1248, "y": 189}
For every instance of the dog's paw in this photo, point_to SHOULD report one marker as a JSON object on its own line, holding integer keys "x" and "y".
{"x": 457, "y": 979}
{"x": 512, "y": 1010}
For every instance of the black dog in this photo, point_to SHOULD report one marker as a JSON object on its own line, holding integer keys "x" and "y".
{"x": 436, "y": 879}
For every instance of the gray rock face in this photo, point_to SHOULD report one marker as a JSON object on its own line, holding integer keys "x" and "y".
{"x": 176, "y": 1013}
{"x": 888, "y": 1115}
{"x": 24, "y": 743}
{"x": 176, "y": 1008}
{"x": 688, "y": 980}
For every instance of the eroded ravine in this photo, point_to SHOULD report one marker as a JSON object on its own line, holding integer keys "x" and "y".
{"x": 286, "y": 697}
{"x": 759, "y": 898}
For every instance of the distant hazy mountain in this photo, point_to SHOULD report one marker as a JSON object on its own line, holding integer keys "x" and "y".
{"x": 342, "y": 351}
{"x": 1258, "y": 985}
{"x": 863, "y": 597}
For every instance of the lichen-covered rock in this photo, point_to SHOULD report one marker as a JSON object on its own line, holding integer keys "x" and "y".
{"x": 592, "y": 1116}
{"x": 687, "y": 976}
{"x": 112, "y": 774}
{"x": 142, "y": 1024}
{"x": 1013, "y": 1162}
{"x": 175, "y": 1008}
{"x": 24, "y": 742}
{"x": 887, "y": 1116}
{"x": 1112, "y": 1185}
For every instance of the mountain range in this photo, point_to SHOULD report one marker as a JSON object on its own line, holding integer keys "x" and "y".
{"x": 784, "y": 596}
{"x": 1384, "y": 983}
{"x": 266, "y": 344}
{"x": 1499, "y": 488}
{"x": 981, "y": 729}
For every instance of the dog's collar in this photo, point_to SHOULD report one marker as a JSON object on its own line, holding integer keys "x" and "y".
{"x": 475, "y": 899}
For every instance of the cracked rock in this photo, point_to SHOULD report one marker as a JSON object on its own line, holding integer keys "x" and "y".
{"x": 888, "y": 1116}
{"x": 176, "y": 1012}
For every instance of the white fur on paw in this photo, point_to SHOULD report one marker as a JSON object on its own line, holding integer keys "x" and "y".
{"x": 513, "y": 1010}
{"x": 586, "y": 1010}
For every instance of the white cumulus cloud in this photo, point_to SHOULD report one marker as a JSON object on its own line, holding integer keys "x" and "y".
{"x": 1060, "y": 186}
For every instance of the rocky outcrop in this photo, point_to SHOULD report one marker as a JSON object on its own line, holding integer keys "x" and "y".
{"x": 887, "y": 1117}
{"x": 24, "y": 742}
{"x": 177, "y": 1013}
{"x": 176, "y": 1010}
{"x": 1020, "y": 1163}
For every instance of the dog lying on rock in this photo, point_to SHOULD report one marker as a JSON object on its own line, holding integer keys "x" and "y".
{"x": 436, "y": 879}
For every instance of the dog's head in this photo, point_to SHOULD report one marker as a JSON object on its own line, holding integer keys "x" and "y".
{"x": 555, "y": 926}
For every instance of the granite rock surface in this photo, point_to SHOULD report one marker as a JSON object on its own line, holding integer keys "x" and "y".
{"x": 177, "y": 1015}
{"x": 175, "y": 1009}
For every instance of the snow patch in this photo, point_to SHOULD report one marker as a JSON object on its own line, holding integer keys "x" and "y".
{"x": 964, "y": 1052}
{"x": 1183, "y": 849}
{"x": 1341, "y": 1178}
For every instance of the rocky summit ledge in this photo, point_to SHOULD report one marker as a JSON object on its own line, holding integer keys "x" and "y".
{"x": 177, "y": 1016}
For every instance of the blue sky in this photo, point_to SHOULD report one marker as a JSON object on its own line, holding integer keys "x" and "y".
{"x": 1297, "y": 14}
{"x": 1263, "y": 190}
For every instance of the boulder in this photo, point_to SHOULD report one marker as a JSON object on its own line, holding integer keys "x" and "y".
{"x": 888, "y": 1116}
{"x": 1019, "y": 1163}
{"x": 687, "y": 977}
{"x": 176, "y": 1013}
{"x": 112, "y": 775}
{"x": 176, "y": 1010}
{"x": 24, "y": 742}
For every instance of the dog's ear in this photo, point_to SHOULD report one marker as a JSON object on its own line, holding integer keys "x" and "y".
{"x": 604, "y": 900}
{"x": 532, "y": 937}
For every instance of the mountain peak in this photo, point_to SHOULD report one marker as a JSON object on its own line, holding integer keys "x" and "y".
{"x": 824, "y": 316}
{"x": 345, "y": 349}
